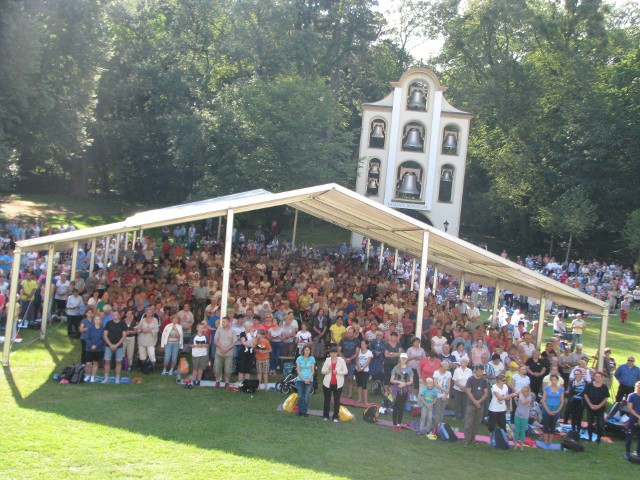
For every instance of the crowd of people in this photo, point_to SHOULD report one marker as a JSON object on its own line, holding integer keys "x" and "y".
{"x": 337, "y": 309}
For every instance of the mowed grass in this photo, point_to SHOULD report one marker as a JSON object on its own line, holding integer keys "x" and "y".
{"x": 161, "y": 430}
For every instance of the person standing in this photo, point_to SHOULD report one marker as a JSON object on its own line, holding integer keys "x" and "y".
{"x": 186, "y": 320}
{"x": 578, "y": 327}
{"x": 334, "y": 370}
{"x": 319, "y": 329}
{"x": 552, "y": 401}
{"x": 225, "y": 344}
{"x": 401, "y": 381}
{"x": 263, "y": 350}
{"x": 306, "y": 366}
{"x": 147, "y": 336}
{"x": 477, "y": 391}
{"x": 521, "y": 415}
{"x": 442, "y": 381}
{"x": 426, "y": 400}
{"x": 460, "y": 377}
{"x": 28, "y": 288}
{"x": 94, "y": 345}
{"x": 114, "y": 334}
{"x": 595, "y": 397}
{"x": 498, "y": 405}
{"x": 171, "y": 341}
{"x": 633, "y": 407}
{"x": 362, "y": 370}
{"x": 73, "y": 304}
{"x": 627, "y": 375}
{"x": 575, "y": 404}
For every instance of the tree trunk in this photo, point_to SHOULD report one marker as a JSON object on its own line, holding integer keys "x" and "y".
{"x": 551, "y": 245}
{"x": 569, "y": 248}
{"x": 79, "y": 178}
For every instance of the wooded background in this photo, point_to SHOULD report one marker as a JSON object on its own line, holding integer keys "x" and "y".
{"x": 163, "y": 101}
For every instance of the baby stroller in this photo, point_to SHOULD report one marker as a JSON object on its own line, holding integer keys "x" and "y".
{"x": 288, "y": 383}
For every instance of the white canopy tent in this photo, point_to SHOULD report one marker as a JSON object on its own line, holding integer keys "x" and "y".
{"x": 349, "y": 210}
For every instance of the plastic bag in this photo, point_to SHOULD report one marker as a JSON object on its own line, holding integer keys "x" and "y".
{"x": 344, "y": 414}
{"x": 290, "y": 403}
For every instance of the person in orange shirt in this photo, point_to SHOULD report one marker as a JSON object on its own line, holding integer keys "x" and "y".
{"x": 262, "y": 349}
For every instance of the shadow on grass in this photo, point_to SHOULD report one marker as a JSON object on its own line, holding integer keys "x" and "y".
{"x": 237, "y": 423}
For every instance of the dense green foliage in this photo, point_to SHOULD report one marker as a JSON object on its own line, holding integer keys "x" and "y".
{"x": 159, "y": 101}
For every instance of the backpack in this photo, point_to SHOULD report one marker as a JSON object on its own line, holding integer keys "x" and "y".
{"x": 445, "y": 433}
{"x": 572, "y": 445}
{"x": 377, "y": 388}
{"x": 147, "y": 367}
{"x": 66, "y": 372}
{"x": 370, "y": 414}
{"x": 77, "y": 373}
{"x": 499, "y": 439}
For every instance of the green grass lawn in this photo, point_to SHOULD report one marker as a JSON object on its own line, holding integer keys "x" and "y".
{"x": 160, "y": 430}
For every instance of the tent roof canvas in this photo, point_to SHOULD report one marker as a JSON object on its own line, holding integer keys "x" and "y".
{"x": 354, "y": 212}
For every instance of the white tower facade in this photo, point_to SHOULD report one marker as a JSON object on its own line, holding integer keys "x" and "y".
{"x": 413, "y": 151}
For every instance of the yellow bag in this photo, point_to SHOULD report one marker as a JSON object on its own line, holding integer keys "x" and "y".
{"x": 290, "y": 403}
{"x": 344, "y": 414}
{"x": 183, "y": 366}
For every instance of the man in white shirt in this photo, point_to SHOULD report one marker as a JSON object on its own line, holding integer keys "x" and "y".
{"x": 473, "y": 311}
{"x": 74, "y": 316}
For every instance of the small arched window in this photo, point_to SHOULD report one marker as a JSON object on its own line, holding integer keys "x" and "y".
{"x": 450, "y": 137}
{"x": 409, "y": 177}
{"x": 377, "y": 133}
{"x": 413, "y": 136}
{"x": 445, "y": 192}
{"x": 417, "y": 96}
{"x": 373, "y": 177}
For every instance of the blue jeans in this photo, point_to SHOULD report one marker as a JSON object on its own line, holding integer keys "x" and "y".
{"x": 304, "y": 392}
{"x": 577, "y": 338}
{"x": 171, "y": 354}
{"x": 274, "y": 357}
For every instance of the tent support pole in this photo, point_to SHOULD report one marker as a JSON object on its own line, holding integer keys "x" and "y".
{"x": 46, "y": 301}
{"x": 295, "y": 230}
{"x": 422, "y": 283}
{"x": 543, "y": 305}
{"x": 93, "y": 254}
{"x": 11, "y": 312}
{"x": 413, "y": 274}
{"x": 226, "y": 270}
{"x": 602, "y": 344}
{"x": 74, "y": 261}
{"x": 496, "y": 304}
{"x": 107, "y": 245}
{"x": 435, "y": 278}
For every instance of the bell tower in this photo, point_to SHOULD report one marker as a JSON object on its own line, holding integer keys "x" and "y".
{"x": 413, "y": 151}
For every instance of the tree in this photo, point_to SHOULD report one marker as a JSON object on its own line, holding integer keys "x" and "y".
{"x": 577, "y": 214}
{"x": 286, "y": 133}
{"x": 631, "y": 233}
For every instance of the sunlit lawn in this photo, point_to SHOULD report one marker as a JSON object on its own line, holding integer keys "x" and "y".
{"x": 160, "y": 430}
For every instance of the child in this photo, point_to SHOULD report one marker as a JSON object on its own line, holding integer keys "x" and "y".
{"x": 262, "y": 349}
{"x": 425, "y": 400}
{"x": 199, "y": 353}
{"x": 303, "y": 337}
{"x": 523, "y": 410}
